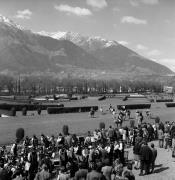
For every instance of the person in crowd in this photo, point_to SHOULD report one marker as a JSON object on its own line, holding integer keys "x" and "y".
{"x": 160, "y": 137}
{"x": 99, "y": 154}
{"x": 63, "y": 174}
{"x": 154, "y": 156}
{"x": 145, "y": 158}
{"x": 167, "y": 140}
{"x": 111, "y": 133}
{"x": 128, "y": 173}
{"x": 136, "y": 152}
{"x": 43, "y": 174}
{"x": 150, "y": 130}
{"x": 117, "y": 171}
{"x": 95, "y": 173}
{"x": 107, "y": 169}
{"x": 81, "y": 174}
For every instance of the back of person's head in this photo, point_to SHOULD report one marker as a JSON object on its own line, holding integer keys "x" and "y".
{"x": 82, "y": 165}
{"x": 93, "y": 166}
{"x": 99, "y": 166}
{"x": 106, "y": 162}
{"x": 129, "y": 166}
{"x": 62, "y": 169}
{"x": 152, "y": 145}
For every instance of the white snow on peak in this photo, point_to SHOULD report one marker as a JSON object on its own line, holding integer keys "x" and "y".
{"x": 93, "y": 42}
{"x": 9, "y": 22}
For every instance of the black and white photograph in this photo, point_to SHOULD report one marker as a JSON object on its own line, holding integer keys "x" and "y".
{"x": 87, "y": 89}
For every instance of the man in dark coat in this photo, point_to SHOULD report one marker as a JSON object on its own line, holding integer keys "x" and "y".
{"x": 150, "y": 132}
{"x": 154, "y": 152}
{"x": 145, "y": 158}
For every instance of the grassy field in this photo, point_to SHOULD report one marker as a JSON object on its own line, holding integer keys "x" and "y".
{"x": 77, "y": 122}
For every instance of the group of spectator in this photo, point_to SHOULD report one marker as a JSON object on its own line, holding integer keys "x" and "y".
{"x": 98, "y": 155}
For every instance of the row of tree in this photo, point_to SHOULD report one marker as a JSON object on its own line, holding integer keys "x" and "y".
{"x": 34, "y": 85}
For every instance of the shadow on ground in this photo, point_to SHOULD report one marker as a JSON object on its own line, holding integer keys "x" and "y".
{"x": 161, "y": 169}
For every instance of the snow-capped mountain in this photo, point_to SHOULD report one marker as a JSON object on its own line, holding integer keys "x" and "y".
{"x": 10, "y": 23}
{"x": 85, "y": 42}
{"x": 26, "y": 52}
{"x": 115, "y": 55}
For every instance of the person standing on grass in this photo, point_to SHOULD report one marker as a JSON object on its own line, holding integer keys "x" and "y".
{"x": 160, "y": 137}
{"x": 167, "y": 140}
{"x": 154, "y": 156}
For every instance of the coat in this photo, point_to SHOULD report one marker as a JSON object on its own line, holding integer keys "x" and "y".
{"x": 146, "y": 153}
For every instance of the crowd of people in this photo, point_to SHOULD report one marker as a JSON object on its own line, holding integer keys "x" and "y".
{"x": 98, "y": 155}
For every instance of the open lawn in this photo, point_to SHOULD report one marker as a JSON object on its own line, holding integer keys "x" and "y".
{"x": 78, "y": 122}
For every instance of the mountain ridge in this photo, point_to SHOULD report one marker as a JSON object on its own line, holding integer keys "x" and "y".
{"x": 67, "y": 54}
{"x": 104, "y": 49}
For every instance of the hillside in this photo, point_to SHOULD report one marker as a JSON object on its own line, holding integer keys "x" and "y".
{"x": 69, "y": 54}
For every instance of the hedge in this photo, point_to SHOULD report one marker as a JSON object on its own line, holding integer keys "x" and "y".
{"x": 164, "y": 100}
{"x": 134, "y": 106}
{"x": 125, "y": 98}
{"x": 30, "y": 107}
{"x": 102, "y": 98}
{"x": 59, "y": 110}
{"x": 170, "y": 105}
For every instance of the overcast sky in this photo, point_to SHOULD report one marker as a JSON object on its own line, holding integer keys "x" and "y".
{"x": 146, "y": 26}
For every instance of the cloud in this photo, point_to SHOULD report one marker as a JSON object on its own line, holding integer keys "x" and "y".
{"x": 115, "y": 9}
{"x": 134, "y": 2}
{"x": 24, "y": 14}
{"x": 141, "y": 47}
{"x": 147, "y": 2}
{"x": 124, "y": 43}
{"x": 154, "y": 52}
{"x": 99, "y": 4}
{"x": 150, "y": 2}
{"x": 73, "y": 10}
{"x": 133, "y": 20}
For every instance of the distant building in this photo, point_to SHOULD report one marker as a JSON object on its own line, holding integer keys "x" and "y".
{"x": 168, "y": 89}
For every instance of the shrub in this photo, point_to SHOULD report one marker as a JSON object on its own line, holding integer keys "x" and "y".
{"x": 57, "y": 110}
{"x": 20, "y": 134}
{"x": 125, "y": 98}
{"x": 102, "y": 98}
{"x": 13, "y": 111}
{"x": 39, "y": 110}
{"x": 135, "y": 106}
{"x": 102, "y": 125}
{"x": 164, "y": 100}
{"x": 24, "y": 111}
{"x": 157, "y": 119}
{"x": 132, "y": 123}
{"x": 65, "y": 130}
{"x": 170, "y": 105}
